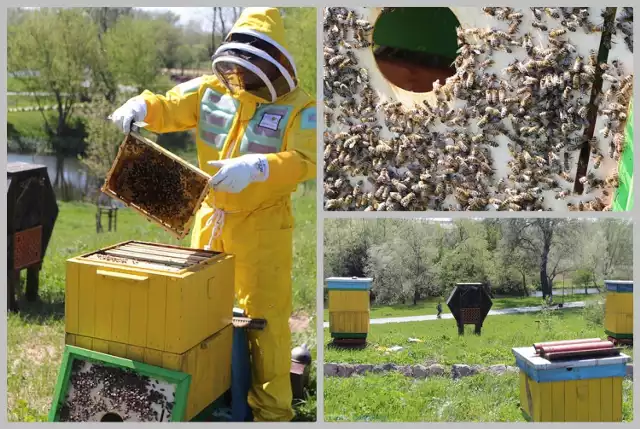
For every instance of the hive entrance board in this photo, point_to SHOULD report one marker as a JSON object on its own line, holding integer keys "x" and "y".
{"x": 97, "y": 387}
{"x": 158, "y": 184}
{"x": 152, "y": 256}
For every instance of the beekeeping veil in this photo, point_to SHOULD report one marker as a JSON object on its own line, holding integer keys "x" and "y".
{"x": 253, "y": 58}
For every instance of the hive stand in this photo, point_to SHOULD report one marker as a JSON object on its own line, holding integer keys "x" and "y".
{"x": 31, "y": 214}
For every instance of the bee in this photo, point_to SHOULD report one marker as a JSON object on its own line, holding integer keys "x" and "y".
{"x": 609, "y": 78}
{"x": 569, "y": 25}
{"x": 577, "y": 65}
{"x": 553, "y": 12}
{"x": 562, "y": 195}
{"x": 597, "y": 161}
{"x": 539, "y": 26}
{"x": 408, "y": 199}
{"x": 557, "y": 32}
{"x": 537, "y": 13}
{"x": 566, "y": 177}
{"x": 582, "y": 112}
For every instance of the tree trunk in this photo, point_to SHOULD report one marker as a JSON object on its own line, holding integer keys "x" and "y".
{"x": 524, "y": 285}
{"x": 415, "y": 297}
{"x": 544, "y": 279}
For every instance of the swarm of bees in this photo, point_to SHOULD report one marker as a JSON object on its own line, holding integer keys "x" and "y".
{"x": 540, "y": 103}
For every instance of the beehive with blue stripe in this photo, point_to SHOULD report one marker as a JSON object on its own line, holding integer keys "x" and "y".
{"x": 618, "y": 313}
{"x": 586, "y": 389}
{"x": 349, "y": 307}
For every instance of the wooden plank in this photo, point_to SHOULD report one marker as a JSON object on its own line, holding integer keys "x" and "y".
{"x": 570, "y": 401}
{"x": 173, "y": 249}
{"x": 166, "y": 253}
{"x": 137, "y": 264}
{"x": 557, "y": 402}
{"x": 606, "y": 399}
{"x": 594, "y": 400}
{"x": 71, "y": 297}
{"x": 104, "y": 309}
{"x": 546, "y": 401}
{"x": 138, "y": 313}
{"x": 582, "y": 405}
{"x": 121, "y": 311}
{"x": 616, "y": 399}
{"x": 156, "y": 314}
{"x": 86, "y": 302}
{"x": 146, "y": 258}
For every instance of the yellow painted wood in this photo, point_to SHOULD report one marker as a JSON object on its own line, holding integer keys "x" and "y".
{"x": 557, "y": 402}
{"x": 619, "y": 302}
{"x": 616, "y": 396}
{"x": 86, "y": 303}
{"x": 208, "y": 363}
{"x": 593, "y": 400}
{"x": 71, "y": 299}
{"x": 166, "y": 311}
{"x": 606, "y": 399}
{"x": 353, "y": 322}
{"x": 157, "y": 319}
{"x": 582, "y": 405}
{"x": 546, "y": 401}
{"x": 347, "y": 300}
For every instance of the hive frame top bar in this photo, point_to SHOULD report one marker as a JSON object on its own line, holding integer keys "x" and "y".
{"x": 529, "y": 356}
{"x": 211, "y": 255}
{"x": 160, "y": 149}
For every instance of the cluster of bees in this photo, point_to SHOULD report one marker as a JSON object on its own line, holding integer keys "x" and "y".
{"x": 540, "y": 103}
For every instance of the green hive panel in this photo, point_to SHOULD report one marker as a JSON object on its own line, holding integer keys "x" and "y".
{"x": 97, "y": 387}
{"x": 624, "y": 195}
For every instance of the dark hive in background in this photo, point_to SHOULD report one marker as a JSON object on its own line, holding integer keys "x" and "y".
{"x": 31, "y": 213}
{"x": 470, "y": 303}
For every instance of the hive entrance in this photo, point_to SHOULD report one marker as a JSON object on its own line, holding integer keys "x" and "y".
{"x": 153, "y": 256}
{"x": 111, "y": 417}
{"x": 415, "y": 46}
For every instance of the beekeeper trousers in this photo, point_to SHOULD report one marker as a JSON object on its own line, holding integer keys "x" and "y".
{"x": 262, "y": 243}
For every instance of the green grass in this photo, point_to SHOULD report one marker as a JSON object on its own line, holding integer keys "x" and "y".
{"x": 442, "y": 344}
{"x": 27, "y": 124}
{"x": 396, "y": 398}
{"x": 36, "y": 334}
{"x": 27, "y": 101}
{"x": 427, "y": 307}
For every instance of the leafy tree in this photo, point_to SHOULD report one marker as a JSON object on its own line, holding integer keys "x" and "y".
{"x": 54, "y": 44}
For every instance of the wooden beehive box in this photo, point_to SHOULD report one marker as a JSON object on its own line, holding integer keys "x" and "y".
{"x": 160, "y": 185}
{"x": 349, "y": 307}
{"x": 618, "y": 314}
{"x": 575, "y": 390}
{"x": 162, "y": 305}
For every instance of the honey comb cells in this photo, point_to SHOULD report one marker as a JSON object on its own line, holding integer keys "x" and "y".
{"x": 156, "y": 184}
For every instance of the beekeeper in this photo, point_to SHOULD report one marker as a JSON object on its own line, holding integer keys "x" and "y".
{"x": 256, "y": 136}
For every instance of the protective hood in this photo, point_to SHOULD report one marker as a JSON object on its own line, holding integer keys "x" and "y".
{"x": 253, "y": 59}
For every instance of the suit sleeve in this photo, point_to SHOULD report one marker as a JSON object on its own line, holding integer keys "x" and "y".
{"x": 177, "y": 110}
{"x": 297, "y": 163}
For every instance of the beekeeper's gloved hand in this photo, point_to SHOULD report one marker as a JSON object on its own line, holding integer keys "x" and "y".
{"x": 134, "y": 110}
{"x": 235, "y": 174}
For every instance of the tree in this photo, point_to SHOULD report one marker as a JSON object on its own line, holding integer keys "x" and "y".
{"x": 185, "y": 56}
{"x": 133, "y": 53}
{"x": 300, "y": 34}
{"x": 539, "y": 237}
{"x": 54, "y": 43}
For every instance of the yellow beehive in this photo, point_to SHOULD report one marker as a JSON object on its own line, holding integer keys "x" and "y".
{"x": 162, "y": 305}
{"x": 348, "y": 307}
{"x": 580, "y": 390}
{"x": 618, "y": 315}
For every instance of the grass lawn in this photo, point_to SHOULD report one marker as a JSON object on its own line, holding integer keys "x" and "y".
{"x": 441, "y": 343}
{"x": 396, "y": 398}
{"x": 27, "y": 124}
{"x": 429, "y": 306}
{"x": 36, "y": 334}
{"x": 27, "y": 101}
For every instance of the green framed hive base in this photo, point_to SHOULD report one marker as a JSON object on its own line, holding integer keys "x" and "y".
{"x": 347, "y": 336}
{"x": 98, "y": 387}
{"x": 623, "y": 200}
{"x": 619, "y": 336}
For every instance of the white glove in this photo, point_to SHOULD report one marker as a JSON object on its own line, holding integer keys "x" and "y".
{"x": 134, "y": 110}
{"x": 235, "y": 174}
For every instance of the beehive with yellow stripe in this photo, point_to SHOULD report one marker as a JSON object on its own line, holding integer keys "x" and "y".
{"x": 162, "y": 305}
{"x": 349, "y": 307}
{"x": 579, "y": 390}
{"x": 618, "y": 313}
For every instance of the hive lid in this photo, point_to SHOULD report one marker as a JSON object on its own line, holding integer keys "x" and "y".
{"x": 349, "y": 283}
{"x": 161, "y": 186}
{"x": 527, "y": 356}
{"x": 19, "y": 167}
{"x": 138, "y": 254}
{"x": 619, "y": 285}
